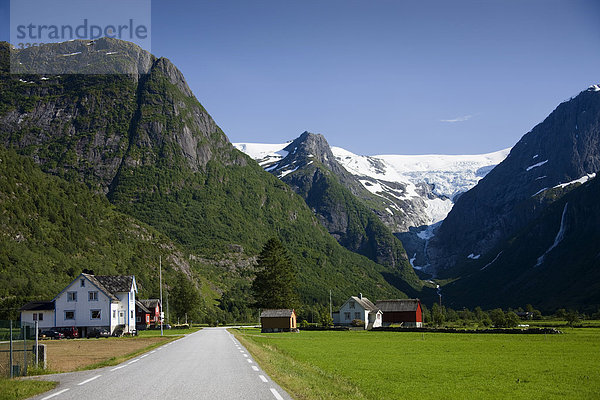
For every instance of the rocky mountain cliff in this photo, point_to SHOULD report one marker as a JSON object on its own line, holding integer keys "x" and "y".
{"x": 564, "y": 148}
{"x": 142, "y": 139}
{"x": 340, "y": 202}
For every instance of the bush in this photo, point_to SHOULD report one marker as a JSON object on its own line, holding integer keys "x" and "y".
{"x": 304, "y": 324}
{"x": 358, "y": 322}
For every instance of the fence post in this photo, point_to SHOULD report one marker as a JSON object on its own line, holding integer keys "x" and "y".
{"x": 11, "y": 352}
{"x": 24, "y": 349}
{"x": 37, "y": 356}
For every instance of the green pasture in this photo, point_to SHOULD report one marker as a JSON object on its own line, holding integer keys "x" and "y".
{"x": 404, "y": 365}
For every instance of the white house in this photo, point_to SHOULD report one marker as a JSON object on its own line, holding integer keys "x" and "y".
{"x": 40, "y": 311}
{"x": 358, "y": 308}
{"x": 91, "y": 302}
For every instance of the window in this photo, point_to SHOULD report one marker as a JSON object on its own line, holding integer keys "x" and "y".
{"x": 93, "y": 296}
{"x": 82, "y": 283}
{"x": 114, "y": 313}
{"x": 35, "y": 316}
{"x": 69, "y": 314}
{"x": 138, "y": 319}
{"x": 378, "y": 316}
{"x": 346, "y": 316}
{"x": 95, "y": 314}
{"x": 352, "y": 304}
{"x": 40, "y": 316}
{"x": 357, "y": 315}
{"x": 71, "y": 296}
{"x": 132, "y": 314}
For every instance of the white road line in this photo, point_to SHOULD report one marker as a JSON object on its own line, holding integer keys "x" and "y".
{"x": 276, "y": 394}
{"x": 133, "y": 361}
{"x": 245, "y": 355}
{"x": 249, "y": 360}
{"x": 114, "y": 369}
{"x": 254, "y": 367}
{"x": 153, "y": 351}
{"x": 145, "y": 355}
{"x": 55, "y": 394}
{"x": 88, "y": 380}
{"x": 241, "y": 351}
{"x": 262, "y": 378}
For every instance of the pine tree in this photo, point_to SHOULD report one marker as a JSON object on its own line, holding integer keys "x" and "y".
{"x": 275, "y": 283}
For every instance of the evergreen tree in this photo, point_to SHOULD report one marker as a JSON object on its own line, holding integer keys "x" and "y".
{"x": 275, "y": 283}
{"x": 185, "y": 299}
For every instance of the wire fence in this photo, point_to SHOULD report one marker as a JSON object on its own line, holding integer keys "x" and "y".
{"x": 17, "y": 348}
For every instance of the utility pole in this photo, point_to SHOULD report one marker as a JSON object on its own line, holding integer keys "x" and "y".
{"x": 330, "y": 308}
{"x": 160, "y": 281}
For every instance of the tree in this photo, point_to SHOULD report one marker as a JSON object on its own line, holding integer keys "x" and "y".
{"x": 275, "y": 283}
{"x": 572, "y": 318}
{"x": 437, "y": 314}
{"x": 498, "y": 318}
{"x": 511, "y": 319}
{"x": 184, "y": 298}
{"x": 325, "y": 319}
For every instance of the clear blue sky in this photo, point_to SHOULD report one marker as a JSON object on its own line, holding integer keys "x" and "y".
{"x": 381, "y": 76}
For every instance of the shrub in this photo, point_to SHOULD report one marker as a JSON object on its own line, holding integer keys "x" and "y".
{"x": 358, "y": 322}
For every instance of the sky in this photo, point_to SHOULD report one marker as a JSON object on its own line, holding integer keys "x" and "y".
{"x": 380, "y": 76}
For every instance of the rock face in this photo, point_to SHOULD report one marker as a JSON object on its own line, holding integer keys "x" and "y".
{"x": 336, "y": 197}
{"x": 563, "y": 148}
{"x": 104, "y": 123}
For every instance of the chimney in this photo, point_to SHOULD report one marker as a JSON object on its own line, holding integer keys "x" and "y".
{"x": 360, "y": 296}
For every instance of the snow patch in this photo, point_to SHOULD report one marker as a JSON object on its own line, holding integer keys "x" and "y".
{"x": 540, "y": 191}
{"x": 541, "y": 177}
{"x": 71, "y": 54}
{"x": 594, "y": 88}
{"x": 536, "y": 156}
{"x": 110, "y": 53}
{"x": 536, "y": 165}
{"x": 289, "y": 171}
{"x": 473, "y": 256}
{"x": 412, "y": 260}
{"x": 581, "y": 180}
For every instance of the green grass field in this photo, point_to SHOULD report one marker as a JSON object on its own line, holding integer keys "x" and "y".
{"x": 168, "y": 332}
{"x": 390, "y": 365}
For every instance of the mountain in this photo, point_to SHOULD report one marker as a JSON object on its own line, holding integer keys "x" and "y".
{"x": 411, "y": 195}
{"x": 51, "y": 229}
{"x": 140, "y": 138}
{"x": 551, "y": 263}
{"x": 308, "y": 166}
{"x": 564, "y": 148}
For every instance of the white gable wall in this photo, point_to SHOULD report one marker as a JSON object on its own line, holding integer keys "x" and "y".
{"x": 352, "y": 310}
{"x": 47, "y": 319}
{"x": 82, "y": 306}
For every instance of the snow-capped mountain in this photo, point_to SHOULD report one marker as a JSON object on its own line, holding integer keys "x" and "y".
{"x": 421, "y": 188}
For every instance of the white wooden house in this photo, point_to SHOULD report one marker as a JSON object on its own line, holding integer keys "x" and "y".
{"x": 91, "y": 302}
{"x": 358, "y": 308}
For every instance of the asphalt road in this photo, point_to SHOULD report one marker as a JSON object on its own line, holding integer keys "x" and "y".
{"x": 208, "y": 364}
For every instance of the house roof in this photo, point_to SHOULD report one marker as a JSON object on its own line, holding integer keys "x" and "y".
{"x": 364, "y": 303}
{"x": 150, "y": 303}
{"x": 141, "y": 306}
{"x": 38, "y": 306}
{"x": 116, "y": 283}
{"x": 398, "y": 305}
{"x": 277, "y": 313}
{"x": 98, "y": 283}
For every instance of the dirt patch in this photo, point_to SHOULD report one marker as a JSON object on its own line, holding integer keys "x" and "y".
{"x": 69, "y": 355}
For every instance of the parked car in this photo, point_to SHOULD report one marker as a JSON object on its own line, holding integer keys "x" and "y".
{"x": 98, "y": 332}
{"x": 52, "y": 334}
{"x": 69, "y": 332}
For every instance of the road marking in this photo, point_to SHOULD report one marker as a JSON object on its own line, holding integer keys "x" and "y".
{"x": 246, "y": 355}
{"x": 88, "y": 380}
{"x": 55, "y": 394}
{"x": 262, "y": 378}
{"x": 133, "y": 361}
{"x": 114, "y": 369}
{"x": 241, "y": 351}
{"x": 249, "y": 360}
{"x": 254, "y": 367}
{"x": 153, "y": 351}
{"x": 145, "y": 355}
{"x": 276, "y": 394}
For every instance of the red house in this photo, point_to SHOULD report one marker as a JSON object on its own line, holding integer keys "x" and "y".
{"x": 147, "y": 313}
{"x": 406, "y": 312}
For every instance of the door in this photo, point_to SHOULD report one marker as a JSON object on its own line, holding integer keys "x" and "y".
{"x": 121, "y": 317}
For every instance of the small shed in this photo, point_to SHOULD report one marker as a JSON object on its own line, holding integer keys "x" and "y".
{"x": 407, "y": 312}
{"x": 278, "y": 320}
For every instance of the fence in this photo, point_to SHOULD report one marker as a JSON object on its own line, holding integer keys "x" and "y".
{"x": 18, "y": 348}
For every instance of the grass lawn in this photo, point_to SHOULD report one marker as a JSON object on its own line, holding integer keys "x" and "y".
{"x": 168, "y": 332}
{"x": 390, "y": 365}
{"x": 22, "y": 389}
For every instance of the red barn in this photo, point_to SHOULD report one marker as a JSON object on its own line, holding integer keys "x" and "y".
{"x": 407, "y": 312}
